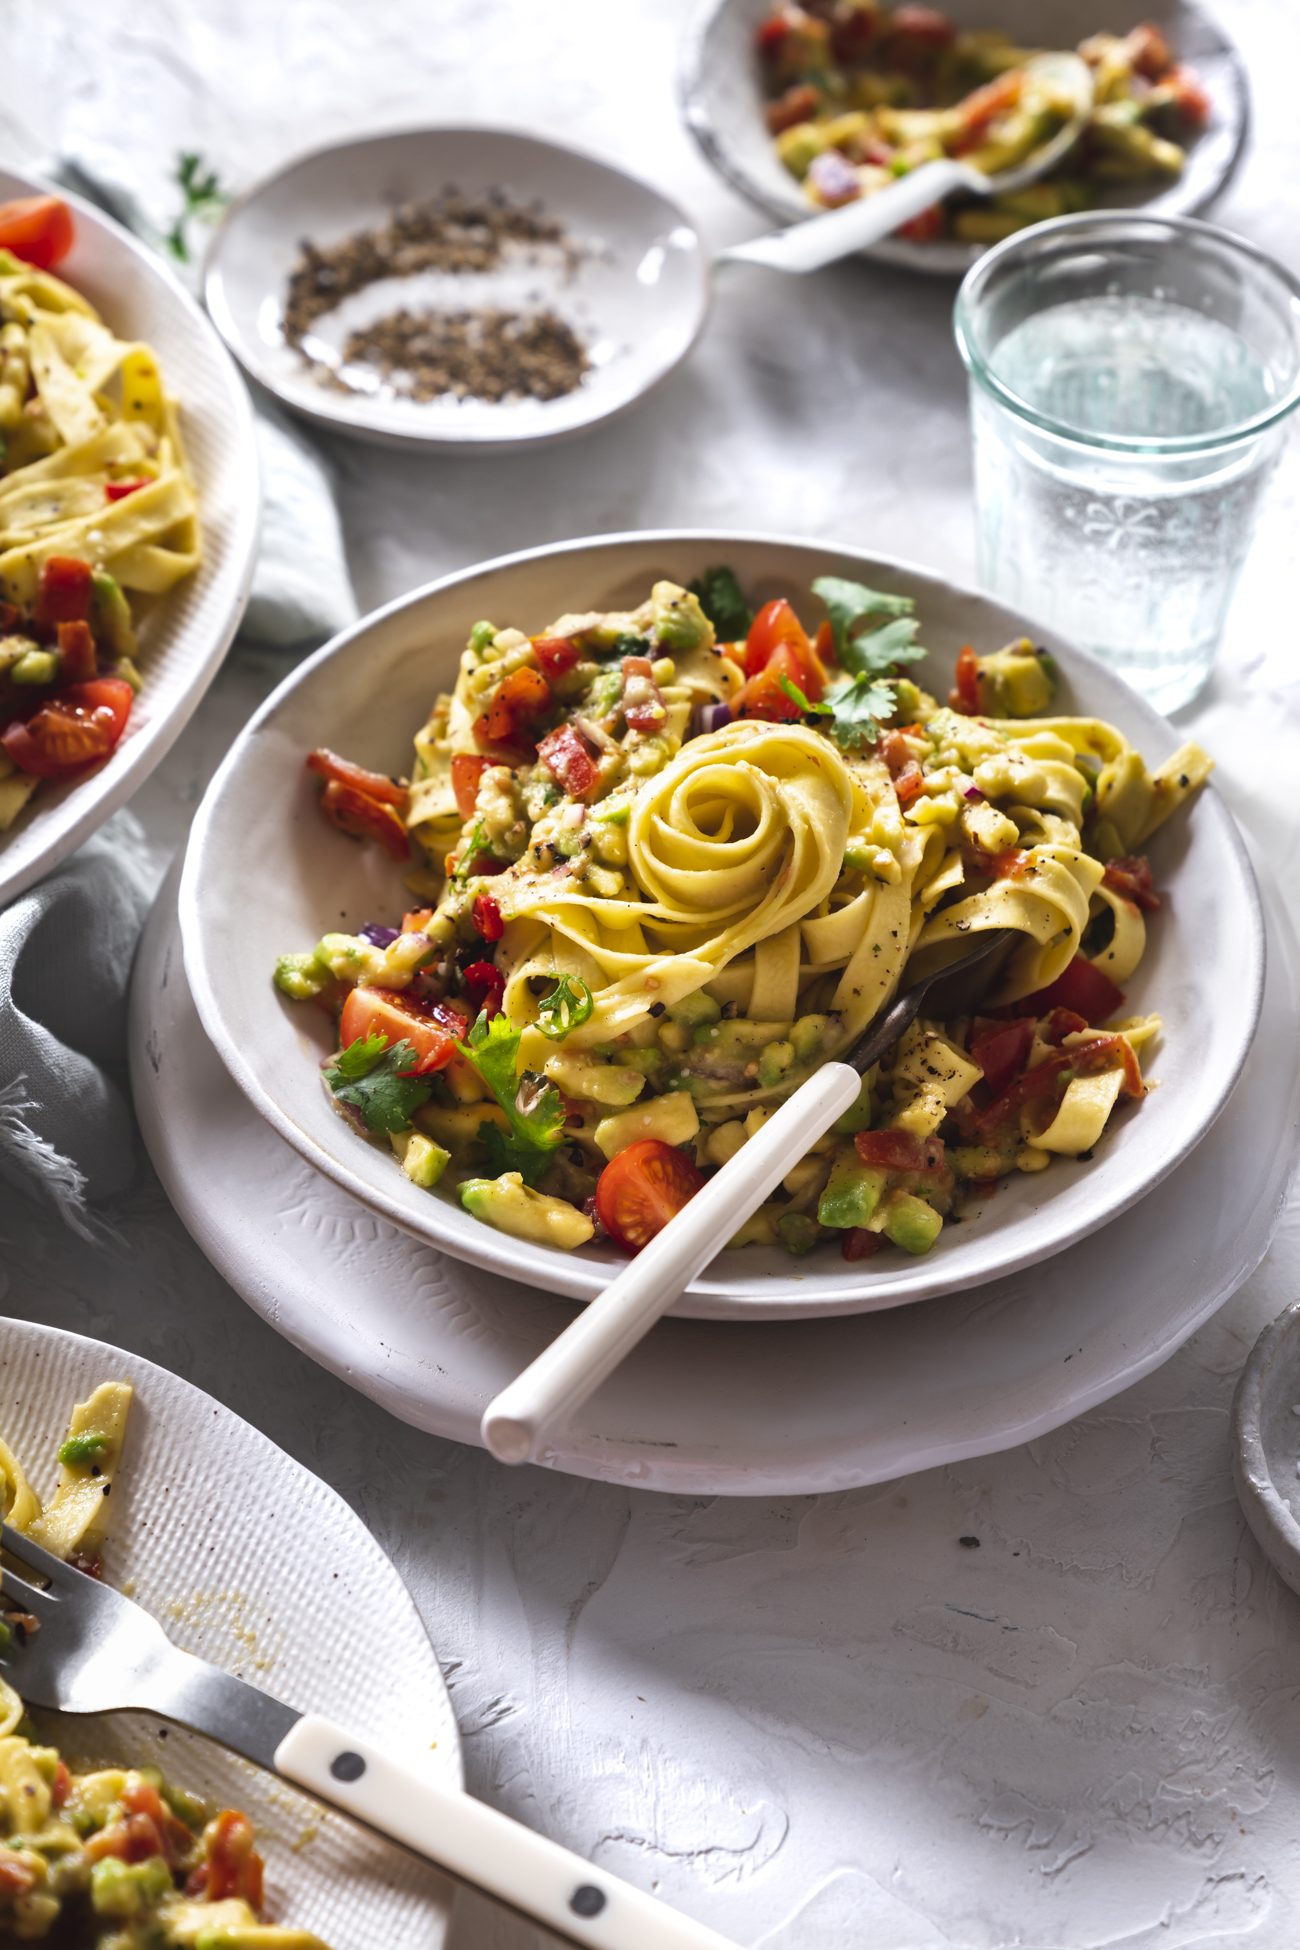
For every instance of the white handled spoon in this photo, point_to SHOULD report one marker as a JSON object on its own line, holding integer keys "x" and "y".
{"x": 823, "y": 240}
{"x": 517, "y": 1424}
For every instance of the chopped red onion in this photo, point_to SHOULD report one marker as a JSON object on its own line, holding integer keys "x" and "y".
{"x": 378, "y": 935}
{"x": 709, "y": 717}
{"x": 972, "y": 791}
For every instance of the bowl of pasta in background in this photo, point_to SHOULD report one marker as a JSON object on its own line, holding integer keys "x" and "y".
{"x": 265, "y": 875}
{"x": 722, "y": 103}
{"x": 187, "y": 631}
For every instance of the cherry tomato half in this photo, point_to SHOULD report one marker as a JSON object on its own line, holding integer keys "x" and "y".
{"x": 39, "y": 229}
{"x": 641, "y": 1189}
{"x": 72, "y": 730}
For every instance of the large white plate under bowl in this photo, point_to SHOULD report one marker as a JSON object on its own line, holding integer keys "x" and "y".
{"x": 711, "y": 1408}
{"x": 264, "y": 874}
{"x": 251, "y": 1562}
{"x": 190, "y": 629}
{"x": 722, "y": 104}
{"x": 637, "y": 298}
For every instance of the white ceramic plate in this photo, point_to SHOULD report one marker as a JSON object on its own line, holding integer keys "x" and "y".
{"x": 722, "y": 103}
{"x": 260, "y": 852}
{"x": 191, "y": 629}
{"x": 251, "y": 1562}
{"x": 703, "y": 1408}
{"x": 637, "y": 300}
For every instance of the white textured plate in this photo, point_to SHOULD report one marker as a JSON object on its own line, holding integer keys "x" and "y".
{"x": 251, "y": 1562}
{"x": 701, "y": 1408}
{"x": 260, "y": 851}
{"x": 1266, "y": 1443}
{"x": 190, "y": 629}
{"x": 637, "y": 300}
{"x": 722, "y": 103}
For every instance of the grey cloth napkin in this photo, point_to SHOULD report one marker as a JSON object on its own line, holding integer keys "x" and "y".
{"x": 66, "y": 946}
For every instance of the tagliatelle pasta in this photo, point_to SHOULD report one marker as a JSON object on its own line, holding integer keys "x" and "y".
{"x": 97, "y": 513}
{"x": 669, "y": 871}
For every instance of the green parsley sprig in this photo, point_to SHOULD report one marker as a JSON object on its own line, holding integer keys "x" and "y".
{"x": 372, "y": 1076}
{"x": 533, "y": 1106}
{"x": 204, "y": 200}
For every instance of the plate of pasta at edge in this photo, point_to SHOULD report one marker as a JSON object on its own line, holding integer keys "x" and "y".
{"x": 519, "y": 907}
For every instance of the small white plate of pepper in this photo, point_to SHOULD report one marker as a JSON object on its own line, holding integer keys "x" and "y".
{"x": 466, "y": 288}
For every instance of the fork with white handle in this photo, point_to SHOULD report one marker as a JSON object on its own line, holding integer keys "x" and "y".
{"x": 95, "y": 1651}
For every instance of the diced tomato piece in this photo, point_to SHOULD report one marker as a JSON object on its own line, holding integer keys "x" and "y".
{"x": 985, "y": 104}
{"x": 1191, "y": 100}
{"x": 924, "y": 228}
{"x": 771, "y": 36}
{"x": 486, "y": 916}
{"x": 17, "y": 1877}
{"x": 765, "y": 697}
{"x": 1054, "y": 1028}
{"x": 142, "y": 1798}
{"x": 798, "y": 104}
{"x": 76, "y": 652}
{"x": 431, "y": 1028}
{"x": 416, "y": 920}
{"x": 484, "y": 987}
{"x": 568, "y": 760}
{"x": 895, "y": 751}
{"x": 641, "y": 1189}
{"x": 1000, "y": 1049}
{"x": 1009, "y": 865}
{"x": 965, "y": 693}
{"x": 76, "y": 728}
{"x": 61, "y": 1786}
{"x": 521, "y": 697}
{"x": 64, "y": 590}
{"x": 1149, "y": 53}
{"x": 858, "y": 1243}
{"x": 10, "y": 617}
{"x": 774, "y": 625}
{"x": 909, "y": 784}
{"x": 363, "y": 818}
{"x": 234, "y": 1865}
{"x": 824, "y": 644}
{"x": 924, "y": 26}
{"x": 467, "y": 768}
{"x": 900, "y": 1151}
{"x": 1083, "y": 988}
{"x": 555, "y": 654}
{"x": 134, "y": 1839}
{"x": 375, "y": 785}
{"x": 118, "y": 490}
{"x": 643, "y": 702}
{"x": 1047, "y": 1079}
{"x": 39, "y": 229}
{"x": 1131, "y": 878}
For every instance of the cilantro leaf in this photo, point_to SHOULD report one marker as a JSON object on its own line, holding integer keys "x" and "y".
{"x": 869, "y": 651}
{"x": 568, "y": 1004}
{"x": 627, "y": 645}
{"x": 719, "y": 597}
{"x": 469, "y": 853}
{"x": 204, "y": 199}
{"x": 368, "y": 1077}
{"x": 534, "y": 1108}
{"x": 858, "y": 705}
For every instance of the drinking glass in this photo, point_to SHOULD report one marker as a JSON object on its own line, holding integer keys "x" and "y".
{"x": 1131, "y": 379}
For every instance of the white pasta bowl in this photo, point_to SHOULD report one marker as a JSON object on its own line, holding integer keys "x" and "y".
{"x": 265, "y": 875}
{"x": 722, "y": 104}
{"x": 186, "y": 635}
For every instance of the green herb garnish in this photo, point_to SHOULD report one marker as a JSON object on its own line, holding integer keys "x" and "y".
{"x": 718, "y": 594}
{"x": 874, "y": 633}
{"x": 373, "y": 1077}
{"x": 204, "y": 201}
{"x": 534, "y": 1108}
{"x": 87, "y": 1448}
{"x": 476, "y": 844}
{"x": 568, "y": 1005}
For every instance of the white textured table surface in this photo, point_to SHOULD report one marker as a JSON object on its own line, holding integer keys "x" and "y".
{"x": 825, "y": 1723}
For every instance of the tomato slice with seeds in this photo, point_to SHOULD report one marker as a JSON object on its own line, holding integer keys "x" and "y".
{"x": 71, "y": 731}
{"x": 432, "y": 1029}
{"x": 641, "y": 1189}
{"x": 64, "y": 590}
{"x": 467, "y": 768}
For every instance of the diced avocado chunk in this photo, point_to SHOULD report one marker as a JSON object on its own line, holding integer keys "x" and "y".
{"x": 759, "y": 1229}
{"x": 513, "y": 1207}
{"x": 809, "y": 1036}
{"x": 798, "y": 1232}
{"x": 421, "y": 1159}
{"x": 112, "y": 615}
{"x": 1018, "y": 682}
{"x": 127, "y": 1889}
{"x": 679, "y": 622}
{"x": 481, "y": 637}
{"x": 14, "y": 648}
{"x": 858, "y": 1116}
{"x": 910, "y": 1223}
{"x": 301, "y": 977}
{"x": 853, "y": 1191}
{"x": 35, "y": 667}
{"x": 83, "y": 1448}
{"x": 697, "y": 1007}
{"x": 773, "y": 1062}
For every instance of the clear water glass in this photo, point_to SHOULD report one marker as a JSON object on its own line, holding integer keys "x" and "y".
{"x": 1131, "y": 380}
